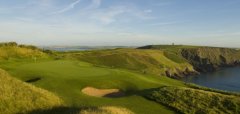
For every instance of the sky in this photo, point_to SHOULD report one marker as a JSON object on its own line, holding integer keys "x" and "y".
{"x": 121, "y": 22}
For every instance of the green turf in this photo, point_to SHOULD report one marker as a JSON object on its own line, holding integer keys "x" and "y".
{"x": 67, "y": 78}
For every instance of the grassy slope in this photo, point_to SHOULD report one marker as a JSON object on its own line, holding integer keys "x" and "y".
{"x": 145, "y": 61}
{"x": 20, "y": 97}
{"x": 67, "y": 78}
{"x": 173, "y": 47}
{"x": 197, "y": 101}
{"x": 170, "y": 48}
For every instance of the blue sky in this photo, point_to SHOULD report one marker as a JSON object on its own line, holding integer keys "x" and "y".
{"x": 121, "y": 22}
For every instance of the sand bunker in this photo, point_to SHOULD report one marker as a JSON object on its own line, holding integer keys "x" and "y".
{"x": 112, "y": 93}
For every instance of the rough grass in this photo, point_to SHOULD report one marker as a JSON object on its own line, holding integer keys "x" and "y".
{"x": 174, "y": 57}
{"x": 8, "y": 52}
{"x": 196, "y": 101}
{"x": 194, "y": 86}
{"x": 20, "y": 97}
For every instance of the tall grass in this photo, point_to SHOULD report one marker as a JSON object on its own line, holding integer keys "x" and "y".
{"x": 194, "y": 86}
{"x": 20, "y": 97}
{"x": 195, "y": 101}
{"x": 13, "y": 50}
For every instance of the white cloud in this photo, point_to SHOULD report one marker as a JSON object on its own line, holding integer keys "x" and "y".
{"x": 120, "y": 13}
{"x": 69, "y": 7}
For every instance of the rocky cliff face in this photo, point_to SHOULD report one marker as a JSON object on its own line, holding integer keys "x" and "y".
{"x": 202, "y": 59}
{"x": 208, "y": 59}
{"x": 178, "y": 74}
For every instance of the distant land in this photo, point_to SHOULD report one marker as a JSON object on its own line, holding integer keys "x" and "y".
{"x": 81, "y": 48}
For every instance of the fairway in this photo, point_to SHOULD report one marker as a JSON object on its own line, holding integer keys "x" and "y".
{"x": 67, "y": 78}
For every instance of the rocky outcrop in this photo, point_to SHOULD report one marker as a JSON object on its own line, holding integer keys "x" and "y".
{"x": 208, "y": 59}
{"x": 177, "y": 74}
{"x": 202, "y": 59}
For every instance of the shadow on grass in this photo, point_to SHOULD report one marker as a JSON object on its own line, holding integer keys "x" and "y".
{"x": 61, "y": 110}
{"x": 115, "y": 95}
{"x": 33, "y": 80}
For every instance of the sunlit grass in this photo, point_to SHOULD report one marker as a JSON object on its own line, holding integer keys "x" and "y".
{"x": 20, "y": 97}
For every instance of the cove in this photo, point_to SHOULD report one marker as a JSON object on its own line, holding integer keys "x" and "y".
{"x": 227, "y": 79}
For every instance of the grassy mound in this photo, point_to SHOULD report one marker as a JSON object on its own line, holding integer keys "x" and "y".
{"x": 19, "y": 97}
{"x": 13, "y": 50}
{"x": 145, "y": 61}
{"x": 196, "y": 101}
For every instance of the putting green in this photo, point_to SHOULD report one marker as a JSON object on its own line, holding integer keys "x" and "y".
{"x": 67, "y": 78}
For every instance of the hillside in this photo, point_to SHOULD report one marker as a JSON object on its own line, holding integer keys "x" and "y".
{"x": 20, "y": 97}
{"x": 171, "y": 60}
{"x": 145, "y": 61}
{"x": 12, "y": 50}
{"x": 203, "y": 59}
